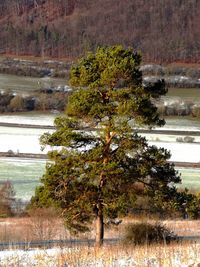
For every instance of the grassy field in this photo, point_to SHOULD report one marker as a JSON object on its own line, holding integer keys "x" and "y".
{"x": 191, "y": 93}
{"x": 26, "y": 85}
{"x": 181, "y": 254}
{"x": 43, "y": 225}
{"x": 177, "y": 255}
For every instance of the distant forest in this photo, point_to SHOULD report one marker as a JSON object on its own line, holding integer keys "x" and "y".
{"x": 163, "y": 30}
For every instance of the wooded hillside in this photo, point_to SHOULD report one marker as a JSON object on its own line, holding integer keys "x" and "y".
{"x": 165, "y": 31}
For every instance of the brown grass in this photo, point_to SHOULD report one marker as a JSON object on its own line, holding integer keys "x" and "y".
{"x": 176, "y": 255}
{"x": 44, "y": 228}
{"x": 40, "y": 227}
{"x": 31, "y": 228}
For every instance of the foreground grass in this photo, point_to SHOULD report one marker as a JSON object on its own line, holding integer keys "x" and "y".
{"x": 182, "y": 254}
{"x": 176, "y": 255}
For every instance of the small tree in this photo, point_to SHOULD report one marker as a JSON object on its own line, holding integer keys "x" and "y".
{"x": 17, "y": 103}
{"x": 7, "y": 199}
{"x": 101, "y": 158}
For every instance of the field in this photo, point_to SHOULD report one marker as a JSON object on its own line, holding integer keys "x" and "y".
{"x": 182, "y": 254}
{"x": 42, "y": 225}
{"x": 25, "y": 174}
{"x": 190, "y": 93}
{"x": 27, "y": 85}
{"x": 177, "y": 255}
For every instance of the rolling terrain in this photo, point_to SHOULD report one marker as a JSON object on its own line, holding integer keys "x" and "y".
{"x": 164, "y": 31}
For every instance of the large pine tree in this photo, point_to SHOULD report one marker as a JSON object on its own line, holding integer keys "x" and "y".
{"x": 101, "y": 160}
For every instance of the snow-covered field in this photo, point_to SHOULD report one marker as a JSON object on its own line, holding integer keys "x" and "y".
{"x": 183, "y": 152}
{"x": 26, "y": 140}
{"x": 33, "y": 118}
{"x": 178, "y": 255}
{"x": 22, "y": 140}
{"x": 25, "y": 174}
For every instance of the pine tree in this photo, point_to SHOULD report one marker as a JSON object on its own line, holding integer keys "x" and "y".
{"x": 101, "y": 159}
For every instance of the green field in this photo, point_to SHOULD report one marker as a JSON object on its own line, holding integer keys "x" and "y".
{"x": 190, "y": 178}
{"x": 23, "y": 173}
{"x": 190, "y": 93}
{"x": 27, "y": 84}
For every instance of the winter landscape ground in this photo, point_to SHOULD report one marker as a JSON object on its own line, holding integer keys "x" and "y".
{"x": 178, "y": 254}
{"x": 40, "y": 40}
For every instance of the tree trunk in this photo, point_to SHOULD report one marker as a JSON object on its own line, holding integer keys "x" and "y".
{"x": 99, "y": 230}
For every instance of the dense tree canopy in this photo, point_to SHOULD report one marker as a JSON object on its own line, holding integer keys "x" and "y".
{"x": 102, "y": 163}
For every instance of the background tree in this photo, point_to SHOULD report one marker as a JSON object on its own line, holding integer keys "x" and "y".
{"x": 101, "y": 160}
{"x": 7, "y": 199}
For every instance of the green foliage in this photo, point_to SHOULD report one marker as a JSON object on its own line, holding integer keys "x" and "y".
{"x": 99, "y": 156}
{"x": 147, "y": 233}
{"x": 188, "y": 204}
{"x": 102, "y": 73}
{"x": 167, "y": 200}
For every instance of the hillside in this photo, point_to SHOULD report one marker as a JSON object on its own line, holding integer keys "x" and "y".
{"x": 165, "y": 31}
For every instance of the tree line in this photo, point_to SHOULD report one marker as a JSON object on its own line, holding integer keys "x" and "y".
{"x": 165, "y": 31}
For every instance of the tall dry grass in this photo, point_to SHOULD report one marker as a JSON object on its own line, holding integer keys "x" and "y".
{"x": 176, "y": 255}
{"x": 44, "y": 227}
{"x": 181, "y": 254}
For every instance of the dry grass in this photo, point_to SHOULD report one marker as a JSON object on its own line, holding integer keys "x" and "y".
{"x": 31, "y": 228}
{"x": 159, "y": 256}
{"x": 43, "y": 228}
{"x": 178, "y": 226}
{"x": 176, "y": 255}
{"x": 184, "y": 227}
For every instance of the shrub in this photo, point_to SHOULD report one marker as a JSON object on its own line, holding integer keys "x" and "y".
{"x": 17, "y": 103}
{"x": 43, "y": 223}
{"x": 54, "y": 101}
{"x": 189, "y": 204}
{"x": 196, "y": 111}
{"x": 186, "y": 139}
{"x": 146, "y": 233}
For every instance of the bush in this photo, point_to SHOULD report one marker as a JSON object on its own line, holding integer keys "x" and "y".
{"x": 186, "y": 139}
{"x": 146, "y": 233}
{"x": 54, "y": 101}
{"x": 196, "y": 111}
{"x": 17, "y": 103}
{"x": 43, "y": 223}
